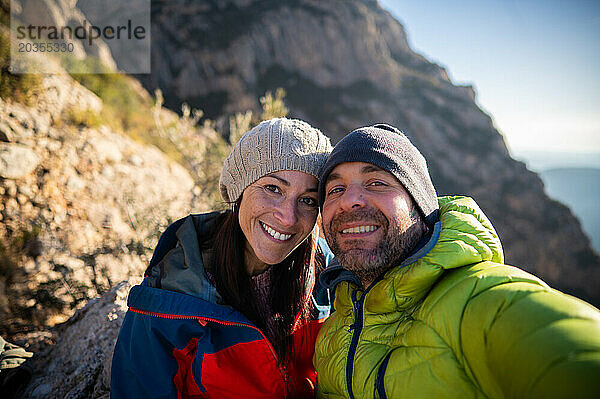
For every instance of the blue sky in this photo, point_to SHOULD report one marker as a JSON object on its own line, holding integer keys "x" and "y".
{"x": 534, "y": 64}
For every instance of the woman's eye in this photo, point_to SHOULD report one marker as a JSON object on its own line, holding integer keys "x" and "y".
{"x": 272, "y": 188}
{"x": 309, "y": 201}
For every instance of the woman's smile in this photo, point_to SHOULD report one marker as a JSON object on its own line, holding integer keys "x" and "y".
{"x": 279, "y": 236}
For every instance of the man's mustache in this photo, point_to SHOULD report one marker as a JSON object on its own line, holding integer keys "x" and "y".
{"x": 362, "y": 214}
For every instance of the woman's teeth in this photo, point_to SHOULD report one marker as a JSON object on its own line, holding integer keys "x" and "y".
{"x": 359, "y": 229}
{"x": 275, "y": 234}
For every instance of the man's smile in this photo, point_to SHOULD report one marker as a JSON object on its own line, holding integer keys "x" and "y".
{"x": 359, "y": 229}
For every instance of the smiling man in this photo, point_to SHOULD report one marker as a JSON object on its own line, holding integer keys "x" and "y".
{"x": 424, "y": 305}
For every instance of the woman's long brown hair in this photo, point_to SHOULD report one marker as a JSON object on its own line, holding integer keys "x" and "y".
{"x": 290, "y": 283}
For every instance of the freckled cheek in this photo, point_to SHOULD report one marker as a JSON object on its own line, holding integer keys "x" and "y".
{"x": 264, "y": 204}
{"x": 307, "y": 219}
{"x": 272, "y": 202}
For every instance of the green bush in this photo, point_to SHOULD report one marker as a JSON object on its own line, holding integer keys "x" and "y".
{"x": 18, "y": 87}
{"x": 84, "y": 117}
{"x": 125, "y": 108}
{"x": 273, "y": 106}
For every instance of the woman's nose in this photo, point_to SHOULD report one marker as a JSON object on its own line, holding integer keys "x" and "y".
{"x": 353, "y": 197}
{"x": 286, "y": 213}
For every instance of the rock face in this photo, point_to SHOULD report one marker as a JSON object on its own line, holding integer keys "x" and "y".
{"x": 345, "y": 64}
{"x": 78, "y": 366}
{"x": 81, "y": 208}
{"x": 16, "y": 161}
{"x": 61, "y": 13}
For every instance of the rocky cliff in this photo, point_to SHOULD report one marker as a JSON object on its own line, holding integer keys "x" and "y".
{"x": 78, "y": 365}
{"x": 345, "y": 64}
{"x": 80, "y": 205}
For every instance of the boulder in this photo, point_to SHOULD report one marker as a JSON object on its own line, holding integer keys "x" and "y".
{"x": 17, "y": 161}
{"x": 78, "y": 366}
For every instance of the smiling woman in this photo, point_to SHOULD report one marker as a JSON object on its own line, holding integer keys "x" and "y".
{"x": 277, "y": 212}
{"x": 230, "y": 296}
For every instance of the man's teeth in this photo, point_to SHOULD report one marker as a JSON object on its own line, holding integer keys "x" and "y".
{"x": 275, "y": 234}
{"x": 359, "y": 229}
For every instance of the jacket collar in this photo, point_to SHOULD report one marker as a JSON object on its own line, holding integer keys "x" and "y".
{"x": 462, "y": 236}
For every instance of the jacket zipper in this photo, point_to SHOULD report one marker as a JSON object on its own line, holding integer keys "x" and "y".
{"x": 379, "y": 381}
{"x": 224, "y": 322}
{"x": 357, "y": 327}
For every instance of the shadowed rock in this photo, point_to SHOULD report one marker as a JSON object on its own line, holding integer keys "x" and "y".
{"x": 78, "y": 366}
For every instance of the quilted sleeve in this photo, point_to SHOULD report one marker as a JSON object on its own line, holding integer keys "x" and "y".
{"x": 525, "y": 340}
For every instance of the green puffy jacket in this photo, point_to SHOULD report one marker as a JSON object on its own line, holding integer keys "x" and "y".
{"x": 457, "y": 323}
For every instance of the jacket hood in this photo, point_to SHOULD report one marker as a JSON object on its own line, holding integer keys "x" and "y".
{"x": 180, "y": 258}
{"x": 463, "y": 236}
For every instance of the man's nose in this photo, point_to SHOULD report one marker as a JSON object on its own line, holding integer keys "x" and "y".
{"x": 353, "y": 197}
{"x": 287, "y": 212}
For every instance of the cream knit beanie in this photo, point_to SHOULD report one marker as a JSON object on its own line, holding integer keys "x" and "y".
{"x": 273, "y": 145}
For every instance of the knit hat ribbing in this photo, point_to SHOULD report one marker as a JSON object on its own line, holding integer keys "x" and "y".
{"x": 271, "y": 146}
{"x": 386, "y": 147}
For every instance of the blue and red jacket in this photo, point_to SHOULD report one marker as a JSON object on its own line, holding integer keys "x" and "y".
{"x": 181, "y": 341}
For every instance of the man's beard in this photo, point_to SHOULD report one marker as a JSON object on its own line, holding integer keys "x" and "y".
{"x": 399, "y": 239}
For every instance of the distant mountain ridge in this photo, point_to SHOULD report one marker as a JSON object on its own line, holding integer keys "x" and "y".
{"x": 540, "y": 161}
{"x": 579, "y": 188}
{"x": 346, "y": 64}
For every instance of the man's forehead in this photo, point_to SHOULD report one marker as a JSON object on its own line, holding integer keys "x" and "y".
{"x": 360, "y": 167}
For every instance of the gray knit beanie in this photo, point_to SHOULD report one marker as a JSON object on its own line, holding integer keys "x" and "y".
{"x": 271, "y": 146}
{"x": 385, "y": 146}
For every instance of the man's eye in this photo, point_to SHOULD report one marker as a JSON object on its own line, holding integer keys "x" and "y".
{"x": 335, "y": 190}
{"x": 272, "y": 188}
{"x": 377, "y": 183}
